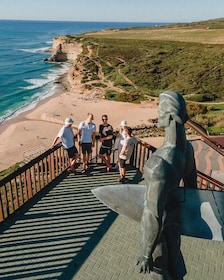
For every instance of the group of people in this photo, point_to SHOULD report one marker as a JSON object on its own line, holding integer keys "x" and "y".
{"x": 124, "y": 143}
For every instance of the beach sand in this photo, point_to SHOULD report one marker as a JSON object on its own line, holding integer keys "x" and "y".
{"x": 34, "y": 131}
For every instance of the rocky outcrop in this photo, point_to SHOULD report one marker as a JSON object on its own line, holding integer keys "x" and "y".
{"x": 58, "y": 55}
{"x": 63, "y": 50}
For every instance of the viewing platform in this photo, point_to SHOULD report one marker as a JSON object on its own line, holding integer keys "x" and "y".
{"x": 53, "y": 227}
{"x": 66, "y": 233}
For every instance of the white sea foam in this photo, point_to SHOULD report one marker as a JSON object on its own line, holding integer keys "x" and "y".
{"x": 47, "y": 87}
{"x": 48, "y": 77}
{"x": 36, "y": 83}
{"x": 35, "y": 50}
{"x": 31, "y": 104}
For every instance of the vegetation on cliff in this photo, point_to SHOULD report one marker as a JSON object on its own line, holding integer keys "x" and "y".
{"x": 139, "y": 63}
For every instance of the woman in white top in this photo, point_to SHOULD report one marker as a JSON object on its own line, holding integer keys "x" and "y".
{"x": 126, "y": 152}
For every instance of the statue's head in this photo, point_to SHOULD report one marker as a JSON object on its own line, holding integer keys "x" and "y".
{"x": 171, "y": 107}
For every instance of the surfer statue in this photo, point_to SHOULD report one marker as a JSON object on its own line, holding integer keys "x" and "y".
{"x": 168, "y": 165}
{"x": 169, "y": 204}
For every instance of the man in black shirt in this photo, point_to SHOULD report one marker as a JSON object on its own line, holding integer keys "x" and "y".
{"x": 106, "y": 136}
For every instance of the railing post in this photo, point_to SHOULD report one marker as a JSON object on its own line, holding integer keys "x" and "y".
{"x": 5, "y": 201}
{"x": 29, "y": 184}
{"x": 1, "y": 211}
{"x": 15, "y": 194}
{"x": 21, "y": 196}
{"x": 33, "y": 179}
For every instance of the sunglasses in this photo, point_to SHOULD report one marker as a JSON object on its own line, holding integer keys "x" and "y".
{"x": 104, "y": 119}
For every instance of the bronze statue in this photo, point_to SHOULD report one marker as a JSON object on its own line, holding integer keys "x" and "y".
{"x": 165, "y": 209}
{"x": 163, "y": 171}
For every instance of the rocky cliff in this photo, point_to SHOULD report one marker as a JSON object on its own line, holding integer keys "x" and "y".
{"x": 66, "y": 49}
{"x": 63, "y": 50}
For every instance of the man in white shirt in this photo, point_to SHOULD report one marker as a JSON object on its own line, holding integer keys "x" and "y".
{"x": 86, "y": 139}
{"x": 67, "y": 137}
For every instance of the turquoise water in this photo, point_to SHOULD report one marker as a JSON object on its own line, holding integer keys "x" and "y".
{"x": 24, "y": 76}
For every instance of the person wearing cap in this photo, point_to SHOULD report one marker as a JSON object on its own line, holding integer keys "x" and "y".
{"x": 86, "y": 139}
{"x": 120, "y": 139}
{"x": 106, "y": 136}
{"x": 120, "y": 136}
{"x": 126, "y": 152}
{"x": 66, "y": 134}
{"x": 123, "y": 124}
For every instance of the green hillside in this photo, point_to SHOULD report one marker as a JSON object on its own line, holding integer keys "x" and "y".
{"x": 143, "y": 62}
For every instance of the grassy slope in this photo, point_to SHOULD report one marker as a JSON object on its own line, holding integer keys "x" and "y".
{"x": 187, "y": 58}
{"x": 143, "y": 62}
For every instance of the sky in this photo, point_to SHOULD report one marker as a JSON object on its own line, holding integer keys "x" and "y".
{"x": 113, "y": 10}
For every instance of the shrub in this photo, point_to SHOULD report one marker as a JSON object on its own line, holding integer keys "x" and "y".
{"x": 194, "y": 109}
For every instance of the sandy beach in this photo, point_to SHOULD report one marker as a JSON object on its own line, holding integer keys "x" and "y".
{"x": 34, "y": 130}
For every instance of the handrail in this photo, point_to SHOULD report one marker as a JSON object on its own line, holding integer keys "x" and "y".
{"x": 21, "y": 185}
{"x": 207, "y": 182}
{"x": 143, "y": 151}
{"x": 207, "y": 139}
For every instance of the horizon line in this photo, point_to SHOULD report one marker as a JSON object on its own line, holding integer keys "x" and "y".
{"x": 93, "y": 21}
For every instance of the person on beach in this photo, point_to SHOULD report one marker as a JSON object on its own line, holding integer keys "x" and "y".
{"x": 126, "y": 151}
{"x": 66, "y": 134}
{"x": 106, "y": 136}
{"x": 86, "y": 139}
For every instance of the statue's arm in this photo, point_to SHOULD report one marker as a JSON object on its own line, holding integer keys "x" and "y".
{"x": 150, "y": 230}
{"x": 157, "y": 174}
{"x": 151, "y": 223}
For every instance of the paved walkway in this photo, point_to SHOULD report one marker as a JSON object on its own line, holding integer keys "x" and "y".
{"x": 206, "y": 158}
{"x": 66, "y": 233}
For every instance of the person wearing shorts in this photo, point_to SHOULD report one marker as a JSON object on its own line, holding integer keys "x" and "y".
{"x": 106, "y": 136}
{"x": 66, "y": 134}
{"x": 120, "y": 140}
{"x": 126, "y": 152}
{"x": 86, "y": 139}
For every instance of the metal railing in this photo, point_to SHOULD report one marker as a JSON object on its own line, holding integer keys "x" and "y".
{"x": 207, "y": 182}
{"x": 23, "y": 184}
{"x": 143, "y": 151}
{"x": 20, "y": 186}
{"x": 207, "y": 139}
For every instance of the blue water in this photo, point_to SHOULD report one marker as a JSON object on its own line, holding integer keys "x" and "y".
{"x": 24, "y": 76}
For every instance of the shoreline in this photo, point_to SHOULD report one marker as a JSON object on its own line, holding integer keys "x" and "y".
{"x": 35, "y": 129}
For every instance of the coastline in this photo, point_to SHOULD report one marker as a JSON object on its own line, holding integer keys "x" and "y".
{"x": 36, "y": 129}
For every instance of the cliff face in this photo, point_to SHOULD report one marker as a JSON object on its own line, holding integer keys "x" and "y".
{"x": 88, "y": 80}
{"x": 82, "y": 79}
{"x": 63, "y": 51}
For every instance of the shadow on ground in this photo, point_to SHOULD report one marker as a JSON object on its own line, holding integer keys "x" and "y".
{"x": 54, "y": 233}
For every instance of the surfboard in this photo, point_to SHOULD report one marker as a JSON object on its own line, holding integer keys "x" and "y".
{"x": 201, "y": 211}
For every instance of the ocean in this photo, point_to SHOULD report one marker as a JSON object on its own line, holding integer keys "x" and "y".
{"x": 25, "y": 78}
